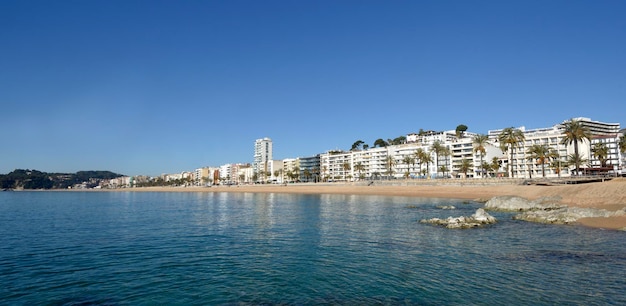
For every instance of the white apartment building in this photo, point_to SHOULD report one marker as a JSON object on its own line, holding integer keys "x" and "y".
{"x": 400, "y": 161}
{"x": 226, "y": 174}
{"x": 262, "y": 154}
{"x": 523, "y": 167}
{"x": 245, "y": 173}
{"x": 290, "y": 166}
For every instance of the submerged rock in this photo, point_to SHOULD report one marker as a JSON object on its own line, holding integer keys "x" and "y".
{"x": 515, "y": 203}
{"x": 448, "y": 207}
{"x": 478, "y": 219}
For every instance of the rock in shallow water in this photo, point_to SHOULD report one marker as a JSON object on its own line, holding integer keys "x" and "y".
{"x": 566, "y": 215}
{"x": 478, "y": 219}
{"x": 515, "y": 203}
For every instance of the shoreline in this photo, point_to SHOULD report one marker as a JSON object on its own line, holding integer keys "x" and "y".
{"x": 609, "y": 195}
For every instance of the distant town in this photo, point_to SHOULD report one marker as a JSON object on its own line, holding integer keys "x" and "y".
{"x": 574, "y": 147}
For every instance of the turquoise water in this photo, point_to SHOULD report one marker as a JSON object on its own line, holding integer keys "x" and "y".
{"x": 125, "y": 248}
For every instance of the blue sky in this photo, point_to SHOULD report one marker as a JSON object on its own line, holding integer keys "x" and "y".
{"x": 151, "y": 87}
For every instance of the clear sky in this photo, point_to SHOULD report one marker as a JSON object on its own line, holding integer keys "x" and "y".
{"x": 151, "y": 87}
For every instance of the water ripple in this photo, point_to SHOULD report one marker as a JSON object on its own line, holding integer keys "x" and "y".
{"x": 247, "y": 249}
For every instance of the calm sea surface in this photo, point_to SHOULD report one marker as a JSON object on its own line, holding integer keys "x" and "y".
{"x": 126, "y": 248}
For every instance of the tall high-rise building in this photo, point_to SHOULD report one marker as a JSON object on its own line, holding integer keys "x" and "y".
{"x": 262, "y": 154}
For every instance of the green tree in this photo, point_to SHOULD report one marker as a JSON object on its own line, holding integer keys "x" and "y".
{"x": 465, "y": 166}
{"x": 573, "y": 132}
{"x": 437, "y": 147}
{"x": 418, "y": 157}
{"x": 296, "y": 173}
{"x": 380, "y": 143}
{"x": 495, "y": 165}
{"x": 359, "y": 167}
{"x": 424, "y": 158}
{"x": 601, "y": 152}
{"x": 460, "y": 130}
{"x": 542, "y": 154}
{"x": 576, "y": 159}
{"x": 510, "y": 138}
{"x": 357, "y": 145}
{"x": 398, "y": 140}
{"x": 346, "y": 167}
{"x": 389, "y": 163}
{"x": 408, "y": 161}
{"x": 480, "y": 142}
{"x": 622, "y": 144}
{"x": 445, "y": 152}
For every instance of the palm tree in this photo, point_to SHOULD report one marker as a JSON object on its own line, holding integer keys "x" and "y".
{"x": 426, "y": 158}
{"x": 495, "y": 166}
{"x": 408, "y": 160}
{"x": 346, "y": 167}
{"x": 542, "y": 154}
{"x": 510, "y": 138}
{"x": 557, "y": 164}
{"x": 601, "y": 152}
{"x": 445, "y": 152}
{"x": 296, "y": 173}
{"x": 574, "y": 131}
{"x": 575, "y": 159}
{"x": 465, "y": 166}
{"x": 359, "y": 167}
{"x": 622, "y": 144}
{"x": 389, "y": 163}
{"x": 419, "y": 158}
{"x": 437, "y": 147}
{"x": 480, "y": 142}
{"x": 276, "y": 174}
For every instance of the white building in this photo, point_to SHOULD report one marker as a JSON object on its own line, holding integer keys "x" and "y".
{"x": 523, "y": 167}
{"x": 263, "y": 152}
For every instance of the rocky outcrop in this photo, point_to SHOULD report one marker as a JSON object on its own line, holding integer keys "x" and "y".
{"x": 515, "y": 203}
{"x": 546, "y": 210}
{"x": 478, "y": 219}
{"x": 566, "y": 215}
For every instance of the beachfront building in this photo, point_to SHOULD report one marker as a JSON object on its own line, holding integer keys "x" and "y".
{"x": 522, "y": 166}
{"x": 245, "y": 174}
{"x": 310, "y": 168}
{"x": 202, "y": 176}
{"x": 291, "y": 170}
{"x": 275, "y": 171}
{"x": 263, "y": 153}
{"x": 336, "y": 165}
{"x": 605, "y": 156}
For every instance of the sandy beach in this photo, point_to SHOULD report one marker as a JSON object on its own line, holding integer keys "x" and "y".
{"x": 609, "y": 195}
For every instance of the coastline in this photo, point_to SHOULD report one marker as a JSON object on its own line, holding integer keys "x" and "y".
{"x": 609, "y": 195}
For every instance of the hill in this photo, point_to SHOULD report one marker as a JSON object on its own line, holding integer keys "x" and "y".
{"x": 34, "y": 179}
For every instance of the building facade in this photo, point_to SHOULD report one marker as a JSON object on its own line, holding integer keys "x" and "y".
{"x": 263, "y": 154}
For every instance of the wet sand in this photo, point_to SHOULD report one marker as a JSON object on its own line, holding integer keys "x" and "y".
{"x": 609, "y": 195}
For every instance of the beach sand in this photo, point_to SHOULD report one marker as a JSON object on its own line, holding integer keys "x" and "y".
{"x": 609, "y": 195}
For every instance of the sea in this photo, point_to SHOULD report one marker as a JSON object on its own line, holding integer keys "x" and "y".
{"x": 211, "y": 248}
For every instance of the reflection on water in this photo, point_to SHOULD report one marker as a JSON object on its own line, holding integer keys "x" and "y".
{"x": 243, "y": 248}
